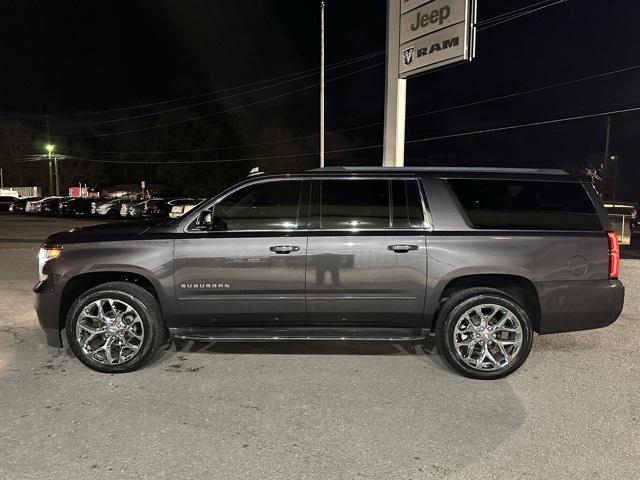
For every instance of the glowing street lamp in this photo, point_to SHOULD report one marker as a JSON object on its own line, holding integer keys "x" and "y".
{"x": 49, "y": 148}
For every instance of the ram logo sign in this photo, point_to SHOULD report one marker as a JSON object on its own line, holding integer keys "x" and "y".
{"x": 408, "y": 55}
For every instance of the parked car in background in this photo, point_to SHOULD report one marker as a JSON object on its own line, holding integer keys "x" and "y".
{"x": 52, "y": 206}
{"x": 162, "y": 208}
{"x": 5, "y": 202}
{"x": 179, "y": 210}
{"x": 139, "y": 209}
{"x": 19, "y": 204}
{"x": 75, "y": 207}
{"x": 109, "y": 208}
{"x": 124, "y": 209}
{"x": 35, "y": 206}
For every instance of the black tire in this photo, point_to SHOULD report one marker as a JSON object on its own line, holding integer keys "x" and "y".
{"x": 148, "y": 310}
{"x": 113, "y": 214}
{"x": 453, "y": 310}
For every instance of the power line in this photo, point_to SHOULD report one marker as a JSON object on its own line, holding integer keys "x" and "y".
{"x": 526, "y": 92}
{"x": 365, "y": 147}
{"x": 244, "y": 159}
{"x": 208, "y": 115}
{"x": 228, "y": 147}
{"x": 358, "y": 127}
{"x": 200, "y": 95}
{"x": 525, "y": 125}
{"x": 191, "y": 105}
{"x": 333, "y": 65}
{"x": 514, "y": 14}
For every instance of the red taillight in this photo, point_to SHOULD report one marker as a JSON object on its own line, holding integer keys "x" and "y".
{"x": 614, "y": 255}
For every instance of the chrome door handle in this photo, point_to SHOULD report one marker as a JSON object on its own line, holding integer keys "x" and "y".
{"x": 402, "y": 248}
{"x": 284, "y": 249}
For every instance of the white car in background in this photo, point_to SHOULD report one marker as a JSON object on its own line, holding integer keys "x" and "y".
{"x": 179, "y": 210}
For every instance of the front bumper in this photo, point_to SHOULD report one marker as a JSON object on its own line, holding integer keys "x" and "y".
{"x": 47, "y": 299}
{"x": 579, "y": 305}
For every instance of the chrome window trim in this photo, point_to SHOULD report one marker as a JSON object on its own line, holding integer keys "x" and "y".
{"x": 427, "y": 217}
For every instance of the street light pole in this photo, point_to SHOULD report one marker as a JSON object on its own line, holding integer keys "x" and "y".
{"x": 49, "y": 148}
{"x": 49, "y": 156}
{"x": 55, "y": 167}
{"x": 322, "y": 83}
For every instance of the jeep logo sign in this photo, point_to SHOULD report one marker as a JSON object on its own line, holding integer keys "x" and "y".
{"x": 435, "y": 33}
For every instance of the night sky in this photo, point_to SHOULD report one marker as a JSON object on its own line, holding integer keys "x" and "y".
{"x": 71, "y": 58}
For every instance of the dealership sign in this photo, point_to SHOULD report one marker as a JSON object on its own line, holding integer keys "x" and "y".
{"x": 435, "y": 33}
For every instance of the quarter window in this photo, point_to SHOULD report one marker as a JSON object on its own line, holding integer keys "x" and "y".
{"x": 527, "y": 205}
{"x": 264, "y": 206}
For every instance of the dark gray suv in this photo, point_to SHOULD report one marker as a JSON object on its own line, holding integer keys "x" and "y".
{"x": 481, "y": 258}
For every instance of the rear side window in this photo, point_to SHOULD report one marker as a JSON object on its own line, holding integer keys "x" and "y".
{"x": 526, "y": 205}
{"x": 368, "y": 204}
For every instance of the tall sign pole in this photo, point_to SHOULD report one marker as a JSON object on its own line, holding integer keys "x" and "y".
{"x": 422, "y": 35}
{"x": 395, "y": 92}
{"x": 322, "y": 83}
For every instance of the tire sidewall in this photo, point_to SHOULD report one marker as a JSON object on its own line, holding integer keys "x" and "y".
{"x": 141, "y": 309}
{"x": 454, "y": 314}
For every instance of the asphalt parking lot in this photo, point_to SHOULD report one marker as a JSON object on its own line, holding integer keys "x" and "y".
{"x": 311, "y": 411}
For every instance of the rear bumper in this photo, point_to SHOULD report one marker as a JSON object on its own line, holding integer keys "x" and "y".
{"x": 579, "y": 305}
{"x": 47, "y": 297}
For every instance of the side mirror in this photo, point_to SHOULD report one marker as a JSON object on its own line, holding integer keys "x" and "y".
{"x": 206, "y": 221}
{"x": 203, "y": 221}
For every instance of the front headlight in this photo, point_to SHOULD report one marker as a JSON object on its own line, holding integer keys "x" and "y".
{"x": 47, "y": 253}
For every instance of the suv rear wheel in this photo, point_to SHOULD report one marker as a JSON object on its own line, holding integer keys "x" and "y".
{"x": 115, "y": 327}
{"x": 484, "y": 333}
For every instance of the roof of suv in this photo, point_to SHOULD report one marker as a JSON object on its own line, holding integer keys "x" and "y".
{"x": 549, "y": 174}
{"x": 538, "y": 171}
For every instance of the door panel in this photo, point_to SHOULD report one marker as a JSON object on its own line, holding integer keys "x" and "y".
{"x": 247, "y": 268}
{"x": 360, "y": 270}
{"x": 229, "y": 280}
{"x": 357, "y": 280}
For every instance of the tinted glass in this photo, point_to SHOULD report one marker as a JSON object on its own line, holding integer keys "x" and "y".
{"x": 265, "y": 206}
{"x": 346, "y": 204}
{"x": 407, "y": 206}
{"x": 526, "y": 204}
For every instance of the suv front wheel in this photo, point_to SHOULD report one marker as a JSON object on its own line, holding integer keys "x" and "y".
{"x": 115, "y": 327}
{"x": 484, "y": 333}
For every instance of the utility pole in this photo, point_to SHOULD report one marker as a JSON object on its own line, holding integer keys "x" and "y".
{"x": 605, "y": 163}
{"x": 1, "y": 180}
{"x": 50, "y": 158}
{"x": 614, "y": 188}
{"x": 55, "y": 167}
{"x": 321, "y": 83}
{"x": 395, "y": 93}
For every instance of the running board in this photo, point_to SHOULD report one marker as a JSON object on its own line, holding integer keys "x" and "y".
{"x": 298, "y": 334}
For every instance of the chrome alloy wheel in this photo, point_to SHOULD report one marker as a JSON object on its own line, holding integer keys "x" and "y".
{"x": 488, "y": 337}
{"x": 109, "y": 331}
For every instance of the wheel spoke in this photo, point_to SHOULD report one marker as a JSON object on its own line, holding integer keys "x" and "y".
{"x": 481, "y": 358}
{"x": 491, "y": 357}
{"x": 504, "y": 353}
